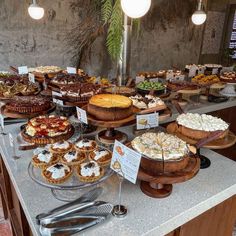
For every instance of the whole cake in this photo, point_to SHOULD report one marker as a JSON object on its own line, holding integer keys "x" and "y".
{"x": 229, "y": 77}
{"x": 47, "y": 129}
{"x": 196, "y": 126}
{"x": 110, "y": 107}
{"x": 29, "y": 104}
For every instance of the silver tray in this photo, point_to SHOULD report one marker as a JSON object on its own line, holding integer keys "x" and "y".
{"x": 72, "y": 183}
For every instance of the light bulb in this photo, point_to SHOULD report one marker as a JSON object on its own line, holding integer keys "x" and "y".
{"x": 199, "y": 17}
{"x": 35, "y": 11}
{"x": 135, "y": 8}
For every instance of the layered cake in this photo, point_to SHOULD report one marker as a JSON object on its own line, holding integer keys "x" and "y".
{"x": 157, "y": 148}
{"x": 28, "y": 104}
{"x": 57, "y": 173}
{"x": 47, "y": 129}
{"x": 89, "y": 172}
{"x": 45, "y": 69}
{"x": 121, "y": 90}
{"x": 110, "y": 107}
{"x": 68, "y": 79}
{"x": 196, "y": 126}
{"x": 146, "y": 102}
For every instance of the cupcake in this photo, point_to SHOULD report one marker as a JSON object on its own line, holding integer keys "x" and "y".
{"x": 85, "y": 145}
{"x": 57, "y": 173}
{"x": 61, "y": 147}
{"x": 89, "y": 172}
{"x": 101, "y": 156}
{"x": 73, "y": 158}
{"x": 44, "y": 158}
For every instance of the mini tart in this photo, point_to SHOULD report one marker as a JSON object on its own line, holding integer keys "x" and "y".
{"x": 73, "y": 158}
{"x": 44, "y": 159}
{"x": 61, "y": 147}
{"x": 85, "y": 145}
{"x": 101, "y": 156}
{"x": 89, "y": 172}
{"x": 57, "y": 173}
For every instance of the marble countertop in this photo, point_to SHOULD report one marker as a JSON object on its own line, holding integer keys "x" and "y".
{"x": 146, "y": 216}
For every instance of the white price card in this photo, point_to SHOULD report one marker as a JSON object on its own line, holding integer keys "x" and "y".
{"x": 2, "y": 121}
{"x": 201, "y": 70}
{"x": 125, "y": 162}
{"x": 192, "y": 71}
{"x": 31, "y": 78}
{"x": 11, "y": 140}
{"x": 139, "y": 79}
{"x": 169, "y": 75}
{"x": 58, "y": 101}
{"x": 215, "y": 71}
{"x": 82, "y": 115}
{"x": 147, "y": 121}
{"x": 22, "y": 70}
{"x": 71, "y": 70}
{"x": 154, "y": 80}
{"x": 57, "y": 94}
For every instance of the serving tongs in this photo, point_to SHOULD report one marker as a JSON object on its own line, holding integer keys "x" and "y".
{"x": 87, "y": 197}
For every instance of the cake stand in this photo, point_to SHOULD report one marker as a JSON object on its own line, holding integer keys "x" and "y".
{"x": 229, "y": 90}
{"x": 226, "y": 142}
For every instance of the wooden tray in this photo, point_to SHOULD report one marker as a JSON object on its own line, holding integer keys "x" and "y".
{"x": 18, "y": 115}
{"x": 226, "y": 142}
{"x": 154, "y": 109}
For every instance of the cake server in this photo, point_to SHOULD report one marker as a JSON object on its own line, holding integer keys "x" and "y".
{"x": 89, "y": 196}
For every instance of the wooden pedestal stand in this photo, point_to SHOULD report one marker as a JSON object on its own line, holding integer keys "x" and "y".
{"x": 160, "y": 185}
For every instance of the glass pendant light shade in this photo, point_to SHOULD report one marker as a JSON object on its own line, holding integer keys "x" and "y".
{"x": 199, "y": 16}
{"x": 135, "y": 8}
{"x": 35, "y": 11}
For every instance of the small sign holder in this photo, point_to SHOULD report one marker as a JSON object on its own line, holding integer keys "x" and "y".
{"x": 12, "y": 144}
{"x": 83, "y": 119}
{"x": 2, "y": 125}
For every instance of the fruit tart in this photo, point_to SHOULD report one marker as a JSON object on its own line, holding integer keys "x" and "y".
{"x": 101, "y": 155}
{"x": 44, "y": 159}
{"x": 89, "y": 172}
{"x": 85, "y": 145}
{"x": 57, "y": 173}
{"x": 73, "y": 158}
{"x": 61, "y": 147}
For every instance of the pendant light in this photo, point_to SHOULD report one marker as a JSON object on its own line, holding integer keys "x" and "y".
{"x": 199, "y": 16}
{"x": 35, "y": 11}
{"x": 135, "y": 8}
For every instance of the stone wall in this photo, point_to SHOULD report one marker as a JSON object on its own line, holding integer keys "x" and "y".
{"x": 24, "y": 41}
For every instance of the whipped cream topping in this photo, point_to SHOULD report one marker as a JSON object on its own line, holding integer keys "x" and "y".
{"x": 99, "y": 154}
{"x": 44, "y": 156}
{"x": 202, "y": 122}
{"x": 160, "y": 146}
{"x": 89, "y": 169}
{"x": 61, "y": 145}
{"x": 58, "y": 170}
{"x": 70, "y": 156}
{"x": 84, "y": 143}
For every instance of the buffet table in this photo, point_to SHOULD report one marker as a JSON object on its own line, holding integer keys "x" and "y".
{"x": 211, "y": 192}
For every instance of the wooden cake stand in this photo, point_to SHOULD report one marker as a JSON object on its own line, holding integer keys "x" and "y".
{"x": 109, "y": 135}
{"x": 226, "y": 142}
{"x": 18, "y": 115}
{"x": 161, "y": 184}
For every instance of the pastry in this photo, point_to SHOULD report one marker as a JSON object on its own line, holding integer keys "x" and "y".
{"x": 206, "y": 80}
{"x": 61, "y": 147}
{"x": 57, "y": 173}
{"x": 196, "y": 126}
{"x": 44, "y": 159}
{"x": 89, "y": 172}
{"x": 45, "y": 69}
{"x": 229, "y": 77}
{"x": 73, "y": 158}
{"x": 181, "y": 85}
{"x": 110, "y": 107}
{"x": 85, "y": 145}
{"x": 121, "y": 90}
{"x": 63, "y": 79}
{"x": 28, "y": 104}
{"x": 47, "y": 129}
{"x": 101, "y": 156}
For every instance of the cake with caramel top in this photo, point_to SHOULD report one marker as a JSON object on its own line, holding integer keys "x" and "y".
{"x": 110, "y": 107}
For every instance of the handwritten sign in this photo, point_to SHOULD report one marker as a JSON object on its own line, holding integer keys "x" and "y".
{"x": 11, "y": 140}
{"x": 215, "y": 71}
{"x": 71, "y": 70}
{"x": 57, "y": 94}
{"x": 139, "y": 79}
{"x": 58, "y": 101}
{"x": 31, "y": 78}
{"x": 147, "y": 121}
{"x": 2, "y": 121}
{"x": 82, "y": 115}
{"x": 22, "y": 70}
{"x": 192, "y": 71}
{"x": 125, "y": 162}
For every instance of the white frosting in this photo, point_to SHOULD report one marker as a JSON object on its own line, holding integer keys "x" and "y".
{"x": 58, "y": 173}
{"x": 70, "y": 156}
{"x": 152, "y": 101}
{"x": 84, "y": 143}
{"x": 100, "y": 154}
{"x": 202, "y": 122}
{"x": 87, "y": 171}
{"x": 61, "y": 145}
{"x": 44, "y": 156}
